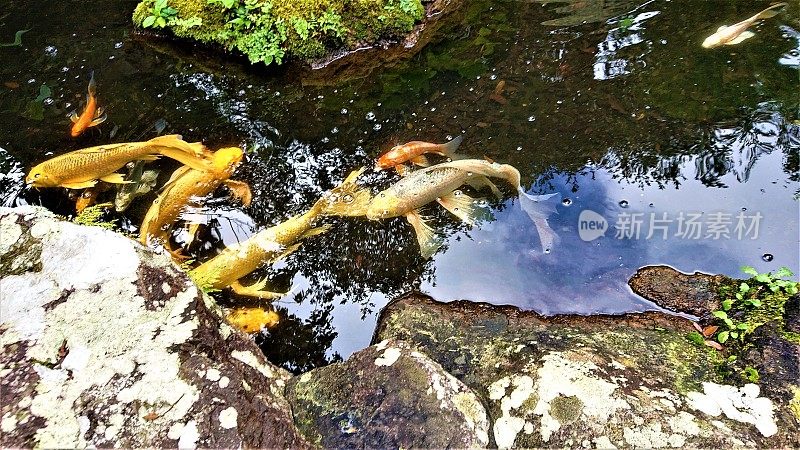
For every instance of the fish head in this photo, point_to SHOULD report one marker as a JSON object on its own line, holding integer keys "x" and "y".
{"x": 228, "y": 157}
{"x": 76, "y": 130}
{"x": 39, "y": 177}
{"x": 391, "y": 158}
{"x": 715, "y": 40}
{"x": 384, "y": 205}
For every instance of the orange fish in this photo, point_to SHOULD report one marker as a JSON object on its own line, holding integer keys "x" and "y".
{"x": 91, "y": 116}
{"x": 414, "y": 151}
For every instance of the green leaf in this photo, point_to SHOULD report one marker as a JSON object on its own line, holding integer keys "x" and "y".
{"x": 739, "y": 295}
{"x": 731, "y": 359}
{"x": 161, "y": 22}
{"x": 729, "y": 323}
{"x": 169, "y": 11}
{"x": 148, "y": 21}
{"x": 755, "y": 302}
{"x": 763, "y": 278}
{"x": 749, "y": 270}
{"x": 160, "y": 4}
{"x": 720, "y": 314}
{"x": 744, "y": 287}
{"x": 774, "y": 287}
{"x": 784, "y": 272}
{"x": 726, "y": 304}
{"x": 742, "y": 326}
{"x": 734, "y": 334}
{"x": 722, "y": 337}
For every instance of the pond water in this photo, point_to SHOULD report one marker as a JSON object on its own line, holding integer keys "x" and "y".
{"x": 688, "y": 155}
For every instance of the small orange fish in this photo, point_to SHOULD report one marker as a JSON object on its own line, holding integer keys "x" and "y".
{"x": 414, "y": 151}
{"x": 91, "y": 116}
{"x": 252, "y": 320}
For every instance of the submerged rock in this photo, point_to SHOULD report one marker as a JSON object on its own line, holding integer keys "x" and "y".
{"x": 387, "y": 396}
{"x": 695, "y": 293}
{"x": 595, "y": 382}
{"x": 106, "y": 344}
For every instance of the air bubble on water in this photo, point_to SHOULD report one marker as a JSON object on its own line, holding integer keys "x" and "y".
{"x": 65, "y": 69}
{"x": 381, "y": 195}
{"x": 651, "y": 205}
{"x": 493, "y": 77}
{"x": 531, "y": 118}
{"x": 325, "y": 140}
{"x": 348, "y": 198}
{"x": 623, "y": 203}
{"x": 118, "y": 45}
{"x": 547, "y": 251}
{"x": 472, "y": 89}
{"x": 376, "y": 127}
{"x": 50, "y": 50}
{"x": 478, "y": 77}
{"x": 320, "y": 97}
{"x": 335, "y": 130}
{"x": 794, "y": 52}
{"x": 519, "y": 148}
{"x": 456, "y": 193}
{"x": 370, "y": 116}
{"x": 343, "y": 111}
{"x": 566, "y": 202}
{"x": 744, "y": 209}
{"x": 469, "y": 174}
{"x": 48, "y": 101}
{"x": 277, "y": 93}
{"x": 32, "y": 80}
{"x": 767, "y": 257}
{"x": 433, "y": 109}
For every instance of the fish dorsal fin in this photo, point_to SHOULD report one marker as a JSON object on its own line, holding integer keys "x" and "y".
{"x": 115, "y": 178}
{"x": 460, "y": 205}
{"x": 426, "y": 237}
{"x": 744, "y": 36}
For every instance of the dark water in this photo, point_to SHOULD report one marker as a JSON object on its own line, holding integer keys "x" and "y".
{"x": 613, "y": 105}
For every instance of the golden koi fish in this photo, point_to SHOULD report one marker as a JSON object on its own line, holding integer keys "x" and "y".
{"x": 736, "y": 33}
{"x": 268, "y": 246}
{"x": 252, "y": 320}
{"x": 439, "y": 183}
{"x": 83, "y": 168}
{"x": 91, "y": 116}
{"x": 186, "y": 183}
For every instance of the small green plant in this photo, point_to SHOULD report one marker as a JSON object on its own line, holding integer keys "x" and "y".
{"x": 227, "y": 4}
{"x": 302, "y": 27}
{"x": 17, "y": 39}
{"x": 93, "y": 217}
{"x": 160, "y": 15}
{"x": 625, "y": 23}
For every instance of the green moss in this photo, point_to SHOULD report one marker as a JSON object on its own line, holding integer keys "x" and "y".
{"x": 267, "y": 32}
{"x": 93, "y": 217}
{"x": 794, "y": 403}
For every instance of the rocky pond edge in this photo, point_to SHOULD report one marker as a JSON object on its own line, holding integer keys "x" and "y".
{"x": 106, "y": 343}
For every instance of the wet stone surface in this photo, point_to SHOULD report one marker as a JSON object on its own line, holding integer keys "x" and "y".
{"x": 388, "y": 395}
{"x": 689, "y": 293}
{"x": 595, "y": 382}
{"x": 104, "y": 343}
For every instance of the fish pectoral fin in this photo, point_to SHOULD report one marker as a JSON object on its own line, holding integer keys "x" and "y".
{"x": 421, "y": 161}
{"x": 315, "y": 231}
{"x": 115, "y": 178}
{"x": 256, "y": 290}
{"x": 402, "y": 170}
{"x": 479, "y": 182}
{"x": 149, "y": 158}
{"x": 79, "y": 184}
{"x": 99, "y": 112}
{"x": 74, "y": 117}
{"x": 428, "y": 241}
{"x": 742, "y": 37}
{"x": 98, "y": 121}
{"x": 240, "y": 190}
{"x": 286, "y": 252}
{"x": 460, "y": 205}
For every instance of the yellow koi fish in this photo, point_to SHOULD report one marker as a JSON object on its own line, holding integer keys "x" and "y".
{"x": 736, "y": 33}
{"x": 186, "y": 183}
{"x": 268, "y": 246}
{"x": 83, "y": 168}
{"x": 252, "y": 320}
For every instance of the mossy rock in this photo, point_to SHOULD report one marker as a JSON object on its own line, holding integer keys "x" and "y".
{"x": 270, "y": 32}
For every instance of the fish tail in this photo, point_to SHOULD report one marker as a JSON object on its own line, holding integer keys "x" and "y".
{"x": 449, "y": 149}
{"x": 194, "y": 155}
{"x": 92, "y": 85}
{"x": 772, "y": 11}
{"x": 538, "y": 209}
